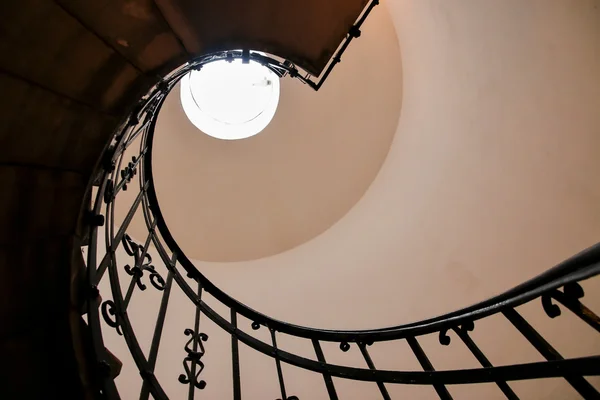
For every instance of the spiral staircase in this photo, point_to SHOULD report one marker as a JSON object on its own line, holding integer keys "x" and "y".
{"x": 82, "y": 84}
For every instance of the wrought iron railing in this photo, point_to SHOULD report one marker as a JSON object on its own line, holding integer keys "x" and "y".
{"x": 555, "y": 290}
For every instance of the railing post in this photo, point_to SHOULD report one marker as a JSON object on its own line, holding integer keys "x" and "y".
{"x": 463, "y": 334}
{"x": 278, "y": 365}
{"x": 326, "y": 377}
{"x": 160, "y": 322}
{"x": 427, "y": 366}
{"x": 579, "y": 383}
{"x": 235, "y": 359}
{"x": 369, "y": 361}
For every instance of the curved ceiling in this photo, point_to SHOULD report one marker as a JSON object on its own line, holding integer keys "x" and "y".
{"x": 247, "y": 199}
{"x": 307, "y": 32}
{"x": 491, "y": 178}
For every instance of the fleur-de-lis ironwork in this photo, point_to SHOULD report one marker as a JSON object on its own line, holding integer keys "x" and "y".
{"x": 141, "y": 264}
{"x": 129, "y": 172}
{"x": 193, "y": 359}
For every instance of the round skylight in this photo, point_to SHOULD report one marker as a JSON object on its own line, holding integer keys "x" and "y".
{"x": 230, "y": 100}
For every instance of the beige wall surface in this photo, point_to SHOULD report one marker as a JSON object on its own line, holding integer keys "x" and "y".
{"x": 240, "y": 200}
{"x": 491, "y": 179}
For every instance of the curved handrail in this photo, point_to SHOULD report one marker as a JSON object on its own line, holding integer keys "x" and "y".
{"x": 142, "y": 124}
{"x": 578, "y": 267}
{"x": 581, "y": 366}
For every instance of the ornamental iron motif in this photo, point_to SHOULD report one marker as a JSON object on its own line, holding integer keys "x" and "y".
{"x": 558, "y": 291}
{"x": 192, "y": 362}
{"x": 109, "y": 314}
{"x": 129, "y": 172}
{"x": 141, "y": 264}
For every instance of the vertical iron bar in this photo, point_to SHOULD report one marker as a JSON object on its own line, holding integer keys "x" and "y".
{"x": 426, "y": 365}
{"x": 108, "y": 385}
{"x": 160, "y": 322}
{"x": 111, "y": 204}
{"x": 235, "y": 359}
{"x": 195, "y": 343}
{"x": 117, "y": 239}
{"x": 147, "y": 243}
{"x": 278, "y": 364}
{"x": 132, "y": 341}
{"x": 582, "y": 386}
{"x": 138, "y": 264}
{"x": 135, "y": 134}
{"x": 328, "y": 381}
{"x": 584, "y": 313}
{"x": 365, "y": 353}
{"x": 129, "y": 292}
{"x": 160, "y": 249}
{"x": 129, "y": 217}
{"x": 483, "y": 360}
{"x": 102, "y": 268}
{"x": 579, "y": 309}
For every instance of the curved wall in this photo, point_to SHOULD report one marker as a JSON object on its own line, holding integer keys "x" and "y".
{"x": 491, "y": 179}
{"x": 229, "y": 201}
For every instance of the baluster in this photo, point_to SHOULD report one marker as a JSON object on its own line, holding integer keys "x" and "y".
{"x": 158, "y": 328}
{"x": 279, "y": 371}
{"x": 108, "y": 385}
{"x": 328, "y": 381}
{"x": 137, "y": 132}
{"x": 545, "y": 349}
{"x": 133, "y": 249}
{"x": 235, "y": 358}
{"x": 195, "y": 354}
{"x": 110, "y": 200}
{"x": 137, "y": 272}
{"x": 278, "y": 364}
{"x": 123, "y": 322}
{"x": 427, "y": 366}
{"x": 109, "y": 308}
{"x": 463, "y": 333}
{"x": 569, "y": 298}
{"x": 162, "y": 252}
{"x": 130, "y": 288}
{"x": 365, "y": 353}
{"x": 119, "y": 236}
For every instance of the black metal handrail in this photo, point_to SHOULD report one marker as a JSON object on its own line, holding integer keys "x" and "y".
{"x": 116, "y": 174}
{"x": 579, "y": 267}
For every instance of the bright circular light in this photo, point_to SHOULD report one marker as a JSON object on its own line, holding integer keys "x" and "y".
{"x": 230, "y": 100}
